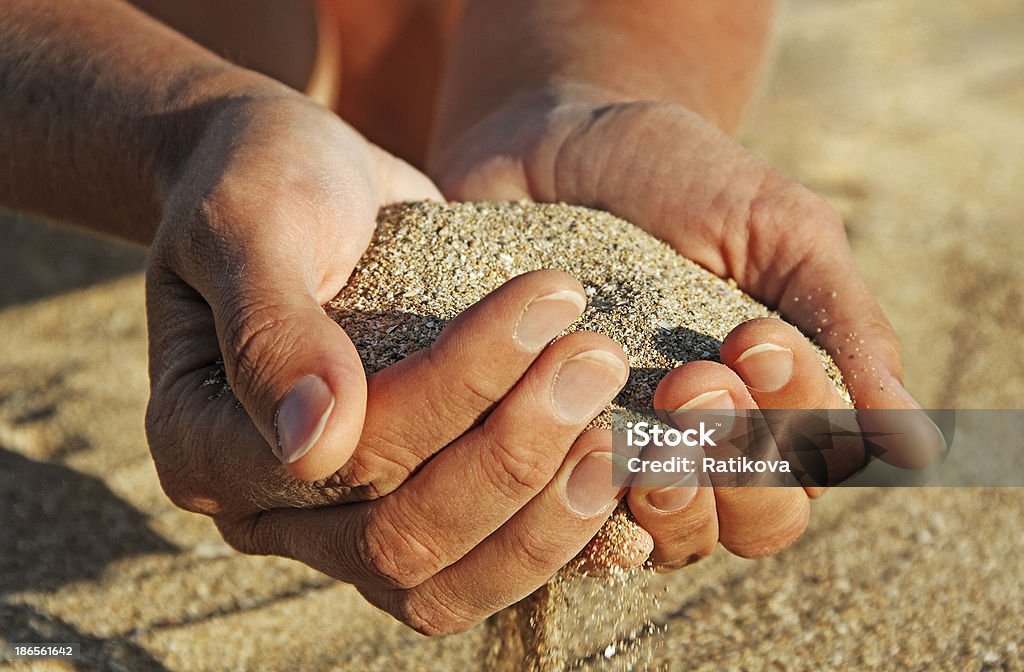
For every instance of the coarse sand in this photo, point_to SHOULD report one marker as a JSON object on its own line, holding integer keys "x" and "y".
{"x": 430, "y": 261}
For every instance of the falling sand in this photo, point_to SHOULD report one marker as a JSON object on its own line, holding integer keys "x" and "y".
{"x": 430, "y": 261}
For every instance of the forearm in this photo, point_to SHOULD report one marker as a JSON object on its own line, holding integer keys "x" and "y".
{"x": 704, "y": 54}
{"x": 99, "y": 107}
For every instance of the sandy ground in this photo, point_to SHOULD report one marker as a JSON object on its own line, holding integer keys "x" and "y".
{"x": 908, "y": 115}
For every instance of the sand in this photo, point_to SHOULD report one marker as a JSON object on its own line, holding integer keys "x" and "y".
{"x": 907, "y": 116}
{"x": 428, "y": 262}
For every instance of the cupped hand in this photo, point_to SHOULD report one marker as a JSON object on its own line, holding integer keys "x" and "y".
{"x": 672, "y": 173}
{"x": 422, "y": 485}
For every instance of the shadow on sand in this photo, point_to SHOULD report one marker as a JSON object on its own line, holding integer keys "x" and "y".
{"x": 39, "y": 259}
{"x": 61, "y": 526}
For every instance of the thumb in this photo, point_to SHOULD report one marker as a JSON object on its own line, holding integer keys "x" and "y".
{"x": 292, "y": 368}
{"x": 296, "y": 373}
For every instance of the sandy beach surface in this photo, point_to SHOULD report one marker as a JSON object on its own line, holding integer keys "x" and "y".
{"x": 907, "y": 115}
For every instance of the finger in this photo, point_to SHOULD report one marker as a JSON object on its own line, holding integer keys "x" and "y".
{"x": 477, "y": 483}
{"x": 209, "y": 455}
{"x": 825, "y": 295}
{"x": 682, "y": 520}
{"x": 779, "y": 366}
{"x": 782, "y": 371}
{"x": 182, "y": 349}
{"x": 422, "y": 403}
{"x": 293, "y": 369}
{"x": 682, "y": 516}
{"x": 620, "y": 544}
{"x": 521, "y": 556}
{"x": 505, "y": 567}
{"x": 752, "y": 521}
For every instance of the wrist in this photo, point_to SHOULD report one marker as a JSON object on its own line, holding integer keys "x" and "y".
{"x": 101, "y": 105}
{"x": 703, "y": 56}
{"x": 538, "y": 106}
{"x": 195, "y": 107}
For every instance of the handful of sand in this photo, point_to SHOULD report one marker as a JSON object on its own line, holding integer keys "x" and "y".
{"x": 429, "y": 261}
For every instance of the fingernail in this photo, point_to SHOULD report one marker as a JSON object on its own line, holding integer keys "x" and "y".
{"x": 719, "y": 402}
{"x": 674, "y": 497}
{"x": 589, "y": 489}
{"x": 546, "y": 317}
{"x": 586, "y": 383}
{"x": 904, "y": 435}
{"x": 934, "y": 436}
{"x": 715, "y": 399}
{"x": 302, "y": 417}
{"x": 765, "y": 367}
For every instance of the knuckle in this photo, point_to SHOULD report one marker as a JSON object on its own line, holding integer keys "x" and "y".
{"x": 186, "y": 490}
{"x": 384, "y": 460}
{"x": 883, "y": 327}
{"x": 786, "y": 206}
{"x": 537, "y": 553}
{"x": 796, "y": 199}
{"x": 628, "y": 119}
{"x": 813, "y": 205}
{"x": 193, "y": 235}
{"x": 394, "y": 554}
{"x": 872, "y": 325}
{"x": 822, "y": 213}
{"x": 468, "y": 394}
{"x": 190, "y": 499}
{"x": 253, "y": 341}
{"x": 428, "y": 616}
{"x": 892, "y": 349}
{"x": 180, "y": 469}
{"x": 453, "y": 404}
{"x": 464, "y": 388}
{"x": 516, "y": 469}
{"x": 241, "y": 535}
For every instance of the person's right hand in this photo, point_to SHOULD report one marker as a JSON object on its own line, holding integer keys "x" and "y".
{"x": 446, "y": 486}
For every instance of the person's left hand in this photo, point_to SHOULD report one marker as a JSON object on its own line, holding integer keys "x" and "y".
{"x": 672, "y": 173}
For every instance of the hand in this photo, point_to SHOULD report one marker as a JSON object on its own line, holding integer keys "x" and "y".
{"x": 264, "y": 224}
{"x": 675, "y": 175}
